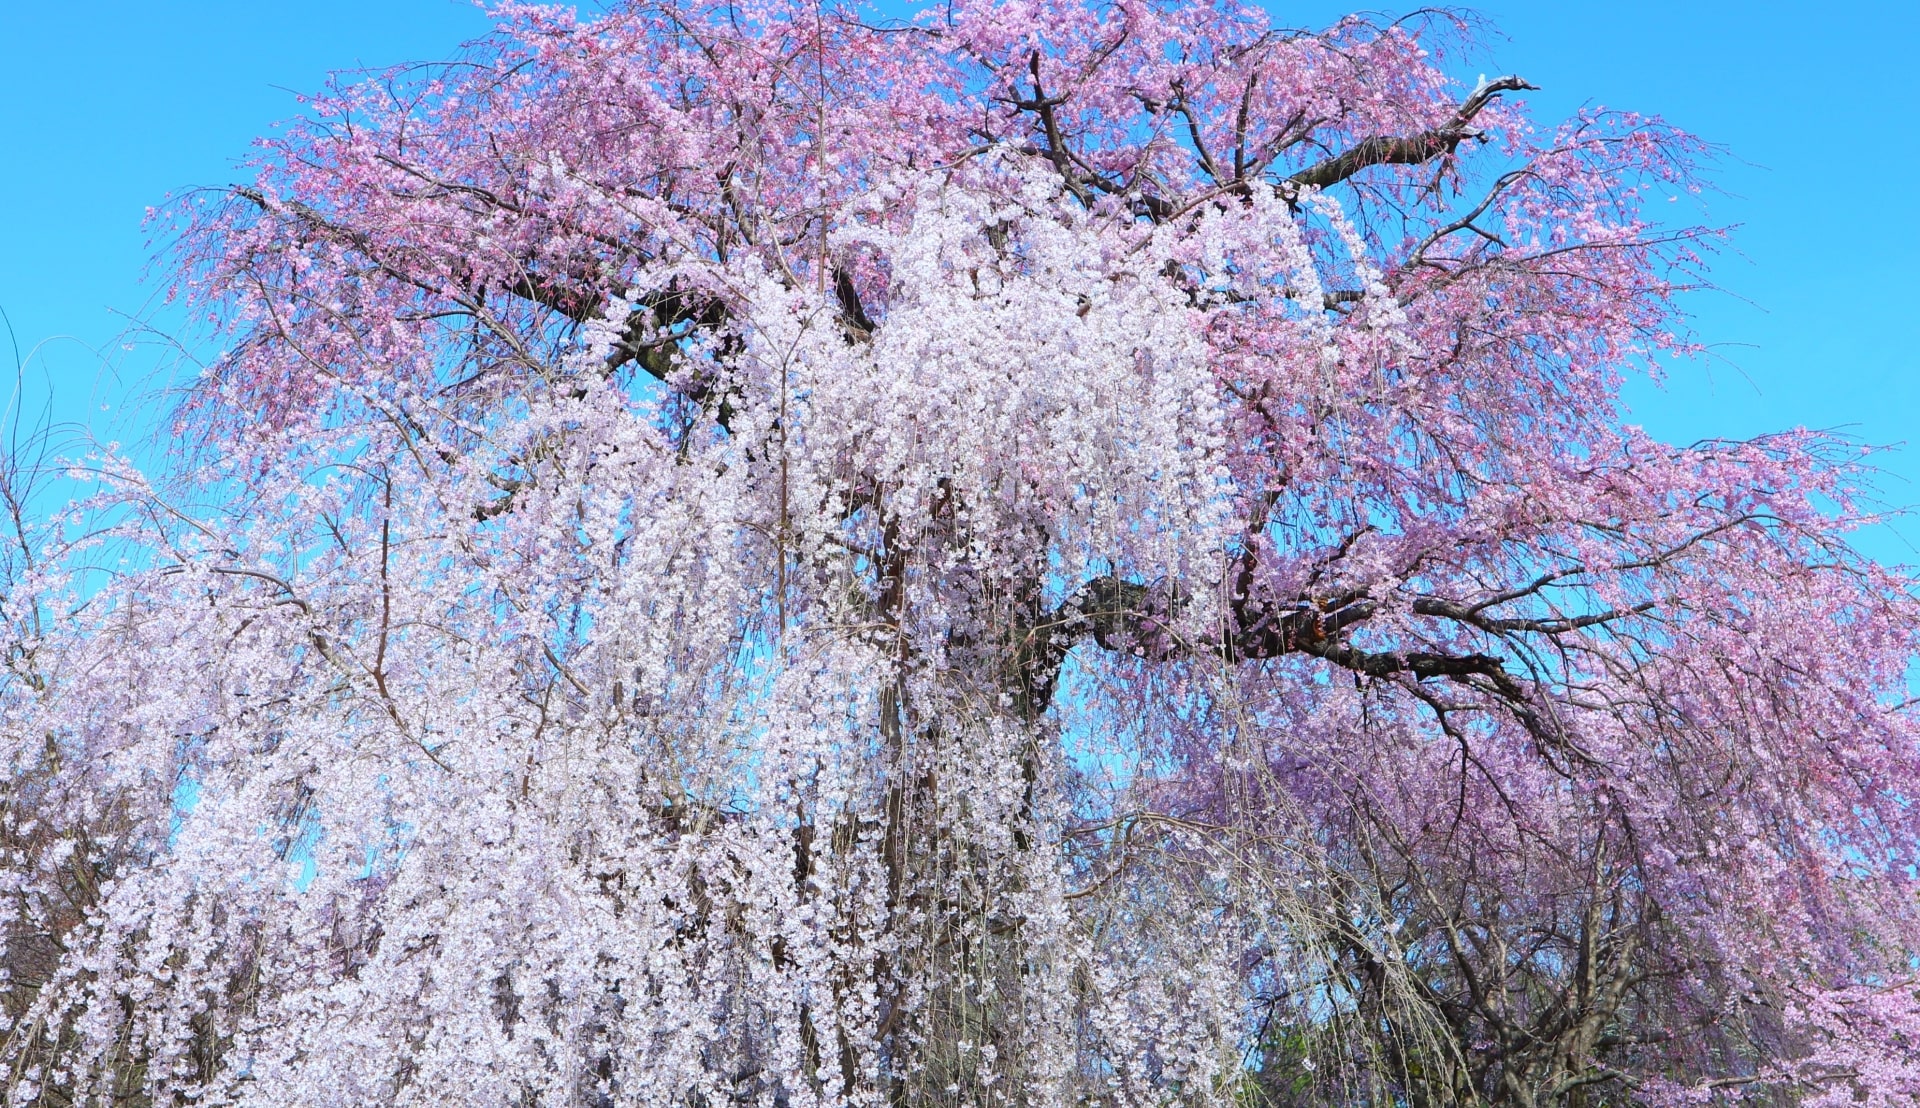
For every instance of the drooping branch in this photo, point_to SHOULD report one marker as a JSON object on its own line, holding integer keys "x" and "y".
{"x": 647, "y": 338}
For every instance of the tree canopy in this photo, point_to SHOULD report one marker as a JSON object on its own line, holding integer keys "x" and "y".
{"x": 1054, "y": 553}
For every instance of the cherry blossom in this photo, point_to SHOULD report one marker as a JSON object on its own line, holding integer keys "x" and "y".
{"x": 1050, "y": 553}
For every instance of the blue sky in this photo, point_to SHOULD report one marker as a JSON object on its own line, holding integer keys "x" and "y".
{"x": 107, "y": 106}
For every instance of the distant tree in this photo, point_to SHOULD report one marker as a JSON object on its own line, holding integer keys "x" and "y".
{"x": 1057, "y": 554}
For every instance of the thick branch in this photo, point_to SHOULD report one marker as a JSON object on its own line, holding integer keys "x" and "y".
{"x": 1408, "y": 149}
{"x": 1137, "y": 619}
{"x": 849, "y": 297}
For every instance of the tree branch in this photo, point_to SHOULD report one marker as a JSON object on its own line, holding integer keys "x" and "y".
{"x": 1409, "y": 149}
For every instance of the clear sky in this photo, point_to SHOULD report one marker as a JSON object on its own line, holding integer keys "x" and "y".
{"x": 106, "y": 106}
